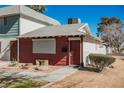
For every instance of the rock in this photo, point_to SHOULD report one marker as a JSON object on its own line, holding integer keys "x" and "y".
{"x": 111, "y": 66}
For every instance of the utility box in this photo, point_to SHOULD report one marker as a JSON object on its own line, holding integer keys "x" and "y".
{"x": 74, "y": 21}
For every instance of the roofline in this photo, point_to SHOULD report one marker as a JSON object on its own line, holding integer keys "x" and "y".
{"x": 89, "y": 33}
{"x": 82, "y": 33}
{"x": 21, "y": 10}
{"x": 50, "y": 36}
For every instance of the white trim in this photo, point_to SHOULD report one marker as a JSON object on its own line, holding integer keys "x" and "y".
{"x": 43, "y": 39}
{"x": 87, "y": 27}
{"x": 80, "y": 51}
{"x": 74, "y": 38}
{"x": 69, "y": 53}
{"x": 71, "y": 39}
{"x": 18, "y": 50}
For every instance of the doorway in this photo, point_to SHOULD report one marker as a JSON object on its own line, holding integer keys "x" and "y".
{"x": 13, "y": 50}
{"x": 74, "y": 52}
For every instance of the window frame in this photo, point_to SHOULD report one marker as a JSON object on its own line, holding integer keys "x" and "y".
{"x": 34, "y": 46}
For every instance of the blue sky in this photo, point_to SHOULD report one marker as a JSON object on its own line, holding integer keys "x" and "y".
{"x": 87, "y": 14}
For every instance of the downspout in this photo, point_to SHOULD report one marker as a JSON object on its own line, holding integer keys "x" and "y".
{"x": 69, "y": 53}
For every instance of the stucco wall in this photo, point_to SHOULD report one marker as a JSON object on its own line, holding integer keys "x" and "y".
{"x": 27, "y": 25}
{"x": 89, "y": 47}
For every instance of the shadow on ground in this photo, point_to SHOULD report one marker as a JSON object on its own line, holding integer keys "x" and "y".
{"x": 91, "y": 69}
{"x": 122, "y": 58}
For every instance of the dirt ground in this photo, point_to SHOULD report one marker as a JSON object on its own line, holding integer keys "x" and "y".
{"x": 46, "y": 69}
{"x": 108, "y": 78}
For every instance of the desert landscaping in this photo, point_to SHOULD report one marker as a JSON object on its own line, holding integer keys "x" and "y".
{"x": 108, "y": 78}
{"x": 16, "y": 76}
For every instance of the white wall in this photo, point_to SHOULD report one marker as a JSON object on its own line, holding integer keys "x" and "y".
{"x": 5, "y": 48}
{"x": 89, "y": 47}
{"x": 28, "y": 25}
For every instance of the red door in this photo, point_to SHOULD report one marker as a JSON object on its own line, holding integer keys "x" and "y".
{"x": 13, "y": 50}
{"x": 75, "y": 52}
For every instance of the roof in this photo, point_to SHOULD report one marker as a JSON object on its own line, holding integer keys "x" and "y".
{"x": 62, "y": 30}
{"x": 57, "y": 30}
{"x": 24, "y": 10}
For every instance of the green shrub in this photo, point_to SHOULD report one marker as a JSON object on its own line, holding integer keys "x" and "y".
{"x": 100, "y": 60}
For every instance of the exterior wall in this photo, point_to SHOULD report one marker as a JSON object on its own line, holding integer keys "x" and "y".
{"x": 108, "y": 50}
{"x": 91, "y": 47}
{"x": 27, "y": 25}
{"x": 26, "y": 55}
{"x": 5, "y": 48}
{"x": 11, "y": 28}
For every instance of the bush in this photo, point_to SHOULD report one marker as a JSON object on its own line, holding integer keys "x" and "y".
{"x": 100, "y": 60}
{"x": 24, "y": 67}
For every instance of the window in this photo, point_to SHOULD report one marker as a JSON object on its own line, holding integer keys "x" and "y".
{"x": 46, "y": 46}
{"x": 5, "y": 20}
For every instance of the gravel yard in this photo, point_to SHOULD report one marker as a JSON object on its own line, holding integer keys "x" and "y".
{"x": 108, "y": 78}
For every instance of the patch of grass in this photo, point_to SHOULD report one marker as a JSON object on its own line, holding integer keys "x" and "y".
{"x": 25, "y": 84}
{"x": 9, "y": 82}
{"x": 29, "y": 84}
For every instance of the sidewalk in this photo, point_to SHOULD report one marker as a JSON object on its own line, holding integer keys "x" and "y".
{"x": 58, "y": 74}
{"x": 50, "y": 77}
{"x": 4, "y": 63}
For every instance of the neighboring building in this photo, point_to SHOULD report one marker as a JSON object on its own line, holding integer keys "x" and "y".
{"x": 15, "y": 21}
{"x": 61, "y": 45}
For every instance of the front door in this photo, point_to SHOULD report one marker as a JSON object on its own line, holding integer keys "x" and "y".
{"x": 75, "y": 52}
{"x": 13, "y": 50}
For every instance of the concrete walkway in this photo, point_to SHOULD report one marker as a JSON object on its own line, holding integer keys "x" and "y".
{"x": 58, "y": 74}
{"x": 4, "y": 63}
{"x": 50, "y": 77}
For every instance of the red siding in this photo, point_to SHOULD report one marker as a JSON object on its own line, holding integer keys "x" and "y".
{"x": 60, "y": 58}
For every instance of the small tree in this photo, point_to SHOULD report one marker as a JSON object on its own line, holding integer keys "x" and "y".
{"x": 111, "y": 31}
